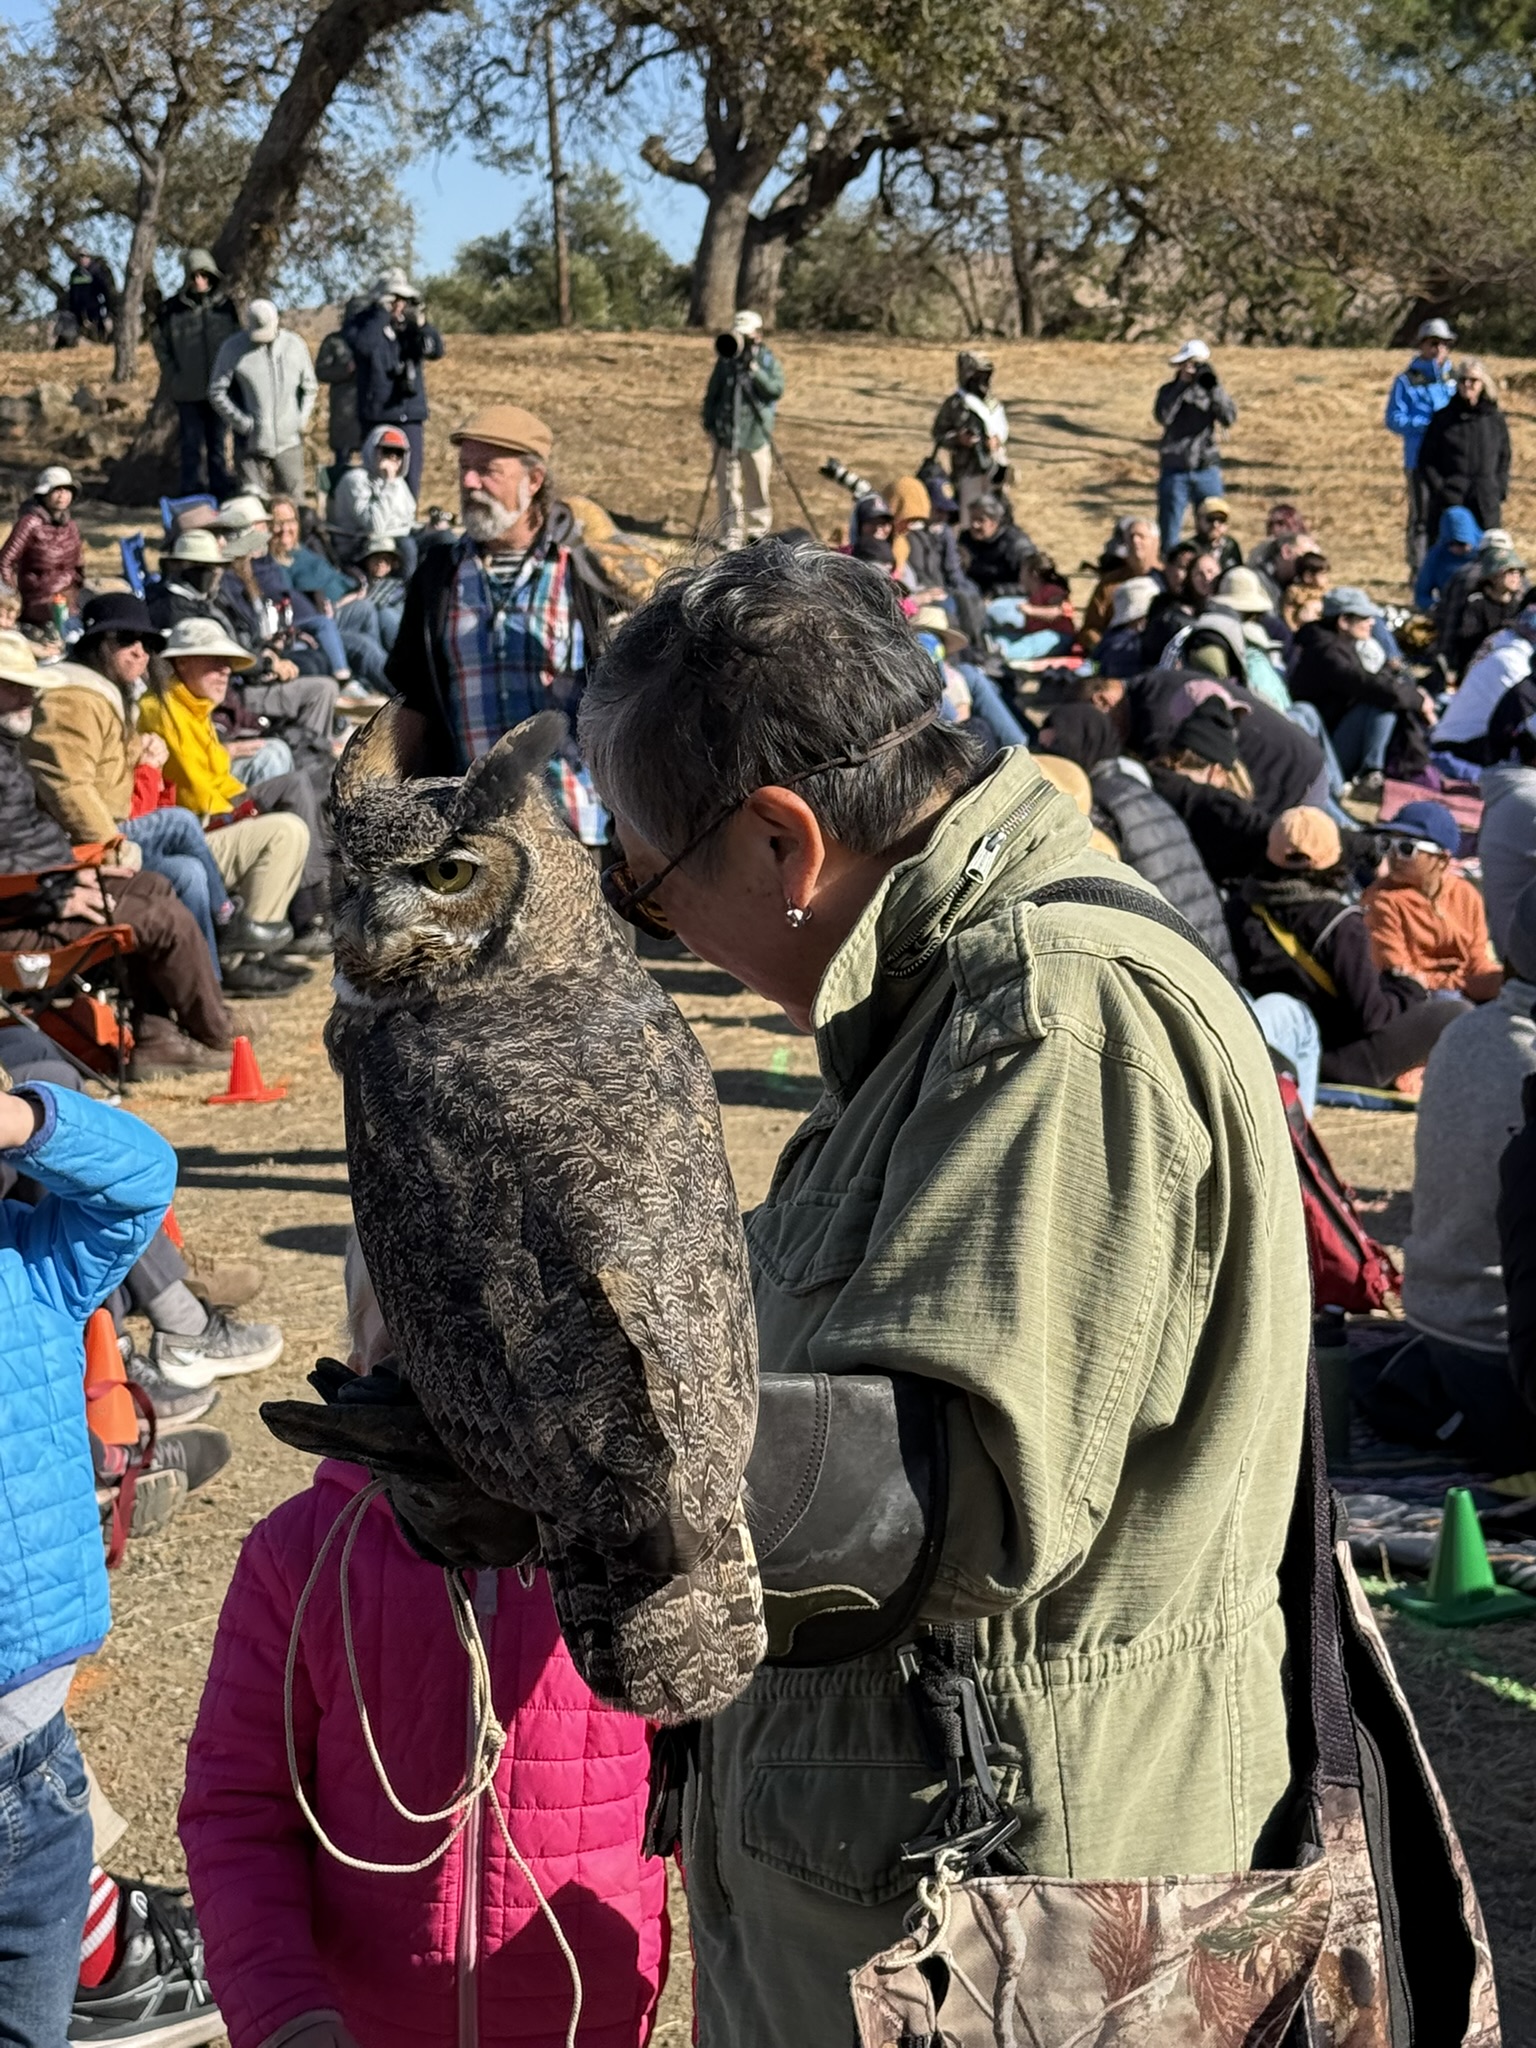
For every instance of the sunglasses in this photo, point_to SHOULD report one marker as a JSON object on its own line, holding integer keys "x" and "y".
{"x": 1405, "y": 849}
{"x": 633, "y": 901}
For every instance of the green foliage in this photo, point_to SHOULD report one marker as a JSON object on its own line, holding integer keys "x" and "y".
{"x": 620, "y": 275}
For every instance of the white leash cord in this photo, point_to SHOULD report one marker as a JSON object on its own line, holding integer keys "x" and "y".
{"x": 485, "y": 1754}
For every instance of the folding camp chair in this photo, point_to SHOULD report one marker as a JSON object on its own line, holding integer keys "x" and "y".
{"x": 169, "y": 507}
{"x": 59, "y": 992}
{"x": 135, "y": 569}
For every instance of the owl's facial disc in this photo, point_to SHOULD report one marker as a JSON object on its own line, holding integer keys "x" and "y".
{"x": 424, "y": 917}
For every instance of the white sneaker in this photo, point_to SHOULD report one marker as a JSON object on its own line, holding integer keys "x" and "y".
{"x": 226, "y": 1347}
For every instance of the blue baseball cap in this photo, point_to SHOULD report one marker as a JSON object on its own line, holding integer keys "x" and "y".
{"x": 1429, "y": 821}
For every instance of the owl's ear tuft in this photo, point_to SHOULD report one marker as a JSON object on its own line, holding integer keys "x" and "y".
{"x": 373, "y": 754}
{"x": 499, "y": 780}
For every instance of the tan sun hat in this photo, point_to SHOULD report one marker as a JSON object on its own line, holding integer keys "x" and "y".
{"x": 206, "y": 638}
{"x": 197, "y": 544}
{"x": 509, "y": 428}
{"x": 235, "y": 514}
{"x": 932, "y": 618}
{"x": 1304, "y": 838}
{"x": 1241, "y": 591}
{"x": 19, "y": 664}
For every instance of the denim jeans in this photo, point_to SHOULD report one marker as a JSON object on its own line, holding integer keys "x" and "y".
{"x": 1290, "y": 1027}
{"x": 175, "y": 845}
{"x": 272, "y": 757}
{"x": 323, "y": 631}
{"x": 202, "y": 431}
{"x": 988, "y": 704}
{"x": 1361, "y": 739}
{"x": 46, "y": 1853}
{"x": 1177, "y": 490}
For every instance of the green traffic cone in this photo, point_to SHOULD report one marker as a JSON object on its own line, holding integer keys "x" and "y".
{"x": 1462, "y": 1589}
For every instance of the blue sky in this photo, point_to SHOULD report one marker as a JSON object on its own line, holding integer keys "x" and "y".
{"x": 455, "y": 198}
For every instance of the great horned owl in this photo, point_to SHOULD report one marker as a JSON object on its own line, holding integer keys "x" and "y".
{"x": 543, "y": 1201}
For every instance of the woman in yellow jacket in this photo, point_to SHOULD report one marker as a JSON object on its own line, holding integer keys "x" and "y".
{"x": 263, "y": 829}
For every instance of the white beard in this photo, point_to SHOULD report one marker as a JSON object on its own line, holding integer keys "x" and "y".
{"x": 485, "y": 517}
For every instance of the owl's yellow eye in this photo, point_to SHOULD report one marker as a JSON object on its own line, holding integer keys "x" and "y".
{"x": 446, "y": 877}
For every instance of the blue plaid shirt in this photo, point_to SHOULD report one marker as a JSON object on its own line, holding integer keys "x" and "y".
{"x": 515, "y": 649}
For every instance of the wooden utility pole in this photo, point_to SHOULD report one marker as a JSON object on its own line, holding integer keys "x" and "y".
{"x": 557, "y": 182}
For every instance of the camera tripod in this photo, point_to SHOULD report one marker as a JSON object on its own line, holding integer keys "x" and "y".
{"x": 742, "y": 393}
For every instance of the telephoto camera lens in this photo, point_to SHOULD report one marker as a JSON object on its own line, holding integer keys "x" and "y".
{"x": 727, "y": 346}
{"x": 857, "y": 486}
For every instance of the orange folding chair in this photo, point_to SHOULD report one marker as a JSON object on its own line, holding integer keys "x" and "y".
{"x": 74, "y": 992}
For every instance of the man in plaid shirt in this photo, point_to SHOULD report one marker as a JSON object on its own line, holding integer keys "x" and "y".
{"x": 499, "y": 625}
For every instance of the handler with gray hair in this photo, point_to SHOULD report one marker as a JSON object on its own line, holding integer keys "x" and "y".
{"x": 1031, "y": 1291}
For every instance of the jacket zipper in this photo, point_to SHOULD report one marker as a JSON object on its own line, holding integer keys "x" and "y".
{"x": 470, "y": 1852}
{"x": 972, "y": 877}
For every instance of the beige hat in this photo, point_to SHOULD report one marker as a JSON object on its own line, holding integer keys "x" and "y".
{"x": 19, "y": 664}
{"x": 509, "y": 428}
{"x": 1242, "y": 591}
{"x": 932, "y": 618}
{"x": 238, "y": 513}
{"x": 205, "y": 637}
{"x": 1068, "y": 777}
{"x": 197, "y": 544}
{"x": 1304, "y": 838}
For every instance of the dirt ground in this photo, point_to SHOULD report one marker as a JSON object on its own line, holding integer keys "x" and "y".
{"x": 625, "y": 409}
{"x": 270, "y": 1182}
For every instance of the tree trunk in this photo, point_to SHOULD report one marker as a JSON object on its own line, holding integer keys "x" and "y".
{"x": 250, "y": 240}
{"x": 1022, "y": 249}
{"x": 557, "y": 184}
{"x": 1429, "y": 305}
{"x": 129, "y": 323}
{"x": 717, "y": 265}
{"x": 762, "y": 270}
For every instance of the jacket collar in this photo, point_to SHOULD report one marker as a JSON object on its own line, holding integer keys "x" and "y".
{"x": 79, "y": 677}
{"x": 1003, "y": 836}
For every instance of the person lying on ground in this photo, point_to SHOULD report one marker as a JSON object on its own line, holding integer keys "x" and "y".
{"x": 302, "y": 1949}
{"x": 1298, "y": 931}
{"x": 1452, "y": 1385}
{"x": 221, "y": 789}
{"x": 1426, "y": 921}
{"x": 43, "y": 555}
{"x": 181, "y": 1023}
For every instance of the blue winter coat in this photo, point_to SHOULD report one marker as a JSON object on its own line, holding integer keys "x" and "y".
{"x": 1417, "y": 394}
{"x": 110, "y": 1180}
{"x": 1458, "y": 529}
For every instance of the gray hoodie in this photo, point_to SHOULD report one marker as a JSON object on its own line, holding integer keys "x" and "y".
{"x": 1506, "y": 841}
{"x": 1453, "y": 1278}
{"x": 266, "y": 390}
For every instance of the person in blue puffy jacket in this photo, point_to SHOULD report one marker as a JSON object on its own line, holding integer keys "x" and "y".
{"x": 1417, "y": 394}
{"x": 109, "y": 1180}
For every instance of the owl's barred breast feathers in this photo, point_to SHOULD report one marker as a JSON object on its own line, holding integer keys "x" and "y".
{"x": 544, "y": 1204}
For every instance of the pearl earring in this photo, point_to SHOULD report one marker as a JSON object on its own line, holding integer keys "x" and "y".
{"x": 796, "y": 916}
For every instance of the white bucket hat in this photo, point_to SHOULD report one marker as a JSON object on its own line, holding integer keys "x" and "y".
{"x": 205, "y": 637}
{"x": 19, "y": 664}
{"x": 1241, "y": 591}
{"x": 1191, "y": 352}
{"x": 236, "y": 514}
{"x": 56, "y": 478}
{"x": 197, "y": 544}
{"x": 1132, "y": 600}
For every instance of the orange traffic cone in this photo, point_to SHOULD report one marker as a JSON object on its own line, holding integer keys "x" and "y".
{"x": 245, "y": 1082}
{"x": 109, "y": 1405}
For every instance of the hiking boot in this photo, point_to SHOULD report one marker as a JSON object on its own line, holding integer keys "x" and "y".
{"x": 196, "y": 1454}
{"x": 254, "y": 977}
{"x": 247, "y": 935}
{"x": 315, "y": 942}
{"x": 165, "y": 1054}
{"x": 158, "y": 1996}
{"x": 175, "y": 1407}
{"x": 226, "y": 1347}
{"x": 230, "y": 1284}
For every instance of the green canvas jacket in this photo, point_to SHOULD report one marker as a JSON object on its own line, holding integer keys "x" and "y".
{"x": 1089, "y": 1229}
{"x": 745, "y": 427}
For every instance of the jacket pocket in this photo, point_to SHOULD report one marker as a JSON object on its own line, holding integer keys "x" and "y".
{"x": 837, "y": 1826}
{"x": 813, "y": 1240}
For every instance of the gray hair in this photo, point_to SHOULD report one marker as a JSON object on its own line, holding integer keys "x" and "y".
{"x": 750, "y": 671}
{"x": 990, "y": 506}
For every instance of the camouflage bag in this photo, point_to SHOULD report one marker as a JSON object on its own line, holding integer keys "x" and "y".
{"x": 1370, "y": 1938}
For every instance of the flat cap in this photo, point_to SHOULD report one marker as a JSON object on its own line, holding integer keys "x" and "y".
{"x": 508, "y": 427}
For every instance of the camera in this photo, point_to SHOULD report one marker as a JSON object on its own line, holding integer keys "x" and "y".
{"x": 729, "y": 346}
{"x": 857, "y": 486}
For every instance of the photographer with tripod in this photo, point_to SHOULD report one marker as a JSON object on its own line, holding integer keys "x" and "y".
{"x": 1189, "y": 408}
{"x": 744, "y": 387}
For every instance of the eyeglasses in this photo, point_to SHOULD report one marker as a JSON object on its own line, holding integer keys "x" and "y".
{"x": 630, "y": 899}
{"x": 1405, "y": 849}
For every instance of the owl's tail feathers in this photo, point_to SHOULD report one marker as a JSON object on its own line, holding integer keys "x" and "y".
{"x": 672, "y": 1649}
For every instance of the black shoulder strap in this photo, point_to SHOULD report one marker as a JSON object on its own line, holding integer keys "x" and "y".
{"x": 1110, "y": 893}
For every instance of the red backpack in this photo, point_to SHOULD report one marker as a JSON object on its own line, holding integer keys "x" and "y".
{"x": 1350, "y": 1270}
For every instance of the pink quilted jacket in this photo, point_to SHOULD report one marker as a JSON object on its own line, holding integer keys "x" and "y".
{"x": 459, "y": 1954}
